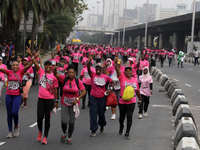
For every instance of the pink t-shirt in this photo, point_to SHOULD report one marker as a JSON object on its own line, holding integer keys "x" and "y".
{"x": 76, "y": 57}
{"x": 86, "y": 76}
{"x": 170, "y": 54}
{"x": 67, "y": 58}
{"x": 30, "y": 75}
{"x": 124, "y": 82}
{"x": 134, "y": 70}
{"x": 1, "y": 73}
{"x": 98, "y": 84}
{"x": 113, "y": 52}
{"x": 162, "y": 54}
{"x": 29, "y": 59}
{"x": 104, "y": 52}
{"x": 125, "y": 53}
{"x": 84, "y": 61}
{"x": 53, "y": 82}
{"x": 133, "y": 54}
{"x": 136, "y": 51}
{"x": 70, "y": 91}
{"x": 99, "y": 53}
{"x": 112, "y": 69}
{"x": 143, "y": 64}
{"x": 145, "y": 85}
{"x": 57, "y": 58}
{"x": 13, "y": 84}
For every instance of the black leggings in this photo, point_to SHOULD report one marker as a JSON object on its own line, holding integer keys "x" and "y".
{"x": 125, "y": 59}
{"x": 44, "y": 108}
{"x": 144, "y": 105}
{"x": 88, "y": 89}
{"x": 34, "y": 71}
{"x": 126, "y": 109}
{"x": 76, "y": 66}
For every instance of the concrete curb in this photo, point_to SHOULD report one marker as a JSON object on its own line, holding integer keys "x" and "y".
{"x": 184, "y": 122}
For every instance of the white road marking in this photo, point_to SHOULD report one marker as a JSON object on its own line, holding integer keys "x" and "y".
{"x": 199, "y": 71}
{"x": 188, "y": 85}
{"x": 199, "y": 90}
{"x": 59, "y": 109}
{"x": 176, "y": 80}
{"x": 1, "y": 143}
{"x": 190, "y": 69}
{"x": 163, "y": 106}
{"x": 31, "y": 126}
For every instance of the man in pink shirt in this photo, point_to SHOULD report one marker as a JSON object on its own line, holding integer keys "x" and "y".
{"x": 170, "y": 56}
{"x": 98, "y": 55}
{"x": 75, "y": 60}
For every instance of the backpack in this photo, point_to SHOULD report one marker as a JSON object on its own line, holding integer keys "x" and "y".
{"x": 128, "y": 93}
{"x": 76, "y": 80}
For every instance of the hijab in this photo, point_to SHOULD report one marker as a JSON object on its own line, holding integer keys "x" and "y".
{"x": 110, "y": 62}
{"x": 145, "y": 75}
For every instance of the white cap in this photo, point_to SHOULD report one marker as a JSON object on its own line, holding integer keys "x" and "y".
{"x": 1, "y": 58}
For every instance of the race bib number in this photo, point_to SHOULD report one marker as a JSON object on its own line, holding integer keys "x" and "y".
{"x": 131, "y": 84}
{"x": 75, "y": 57}
{"x": 13, "y": 85}
{"x": 98, "y": 56}
{"x": 99, "y": 81}
{"x": 117, "y": 86}
{"x": 68, "y": 100}
{"x": 113, "y": 53}
{"x": 86, "y": 75}
{"x": 42, "y": 82}
{"x": 3, "y": 55}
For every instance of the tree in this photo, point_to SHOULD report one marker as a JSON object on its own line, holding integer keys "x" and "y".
{"x": 100, "y": 38}
{"x": 85, "y": 37}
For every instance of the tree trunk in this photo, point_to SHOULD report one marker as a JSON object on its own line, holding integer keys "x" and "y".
{"x": 33, "y": 33}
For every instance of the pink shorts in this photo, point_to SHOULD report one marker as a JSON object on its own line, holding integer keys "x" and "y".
{"x": 26, "y": 88}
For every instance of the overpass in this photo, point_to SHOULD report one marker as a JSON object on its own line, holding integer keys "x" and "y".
{"x": 172, "y": 32}
{"x": 96, "y": 29}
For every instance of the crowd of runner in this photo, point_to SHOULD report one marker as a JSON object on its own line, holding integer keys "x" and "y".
{"x": 104, "y": 69}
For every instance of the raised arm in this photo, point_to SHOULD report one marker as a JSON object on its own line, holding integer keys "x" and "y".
{"x": 117, "y": 67}
{"x": 88, "y": 63}
{"x": 37, "y": 67}
{"x": 56, "y": 74}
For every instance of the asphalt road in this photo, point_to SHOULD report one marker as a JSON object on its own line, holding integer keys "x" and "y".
{"x": 187, "y": 79}
{"x": 151, "y": 133}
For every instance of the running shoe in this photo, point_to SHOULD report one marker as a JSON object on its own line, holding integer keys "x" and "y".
{"x": 22, "y": 104}
{"x": 93, "y": 134}
{"x": 25, "y": 106}
{"x": 113, "y": 117}
{"x": 140, "y": 116}
{"x": 126, "y": 136}
{"x": 69, "y": 141}
{"x": 39, "y": 138}
{"x": 83, "y": 107}
{"x": 101, "y": 129}
{"x": 10, "y": 135}
{"x": 44, "y": 141}
{"x": 16, "y": 132}
{"x": 62, "y": 139}
{"x": 145, "y": 114}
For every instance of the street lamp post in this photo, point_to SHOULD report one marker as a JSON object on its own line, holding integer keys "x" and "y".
{"x": 124, "y": 23}
{"x": 193, "y": 24}
{"x": 146, "y": 24}
{"x": 93, "y": 12}
{"x": 98, "y": 13}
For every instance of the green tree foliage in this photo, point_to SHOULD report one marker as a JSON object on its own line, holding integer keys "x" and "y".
{"x": 100, "y": 38}
{"x": 85, "y": 37}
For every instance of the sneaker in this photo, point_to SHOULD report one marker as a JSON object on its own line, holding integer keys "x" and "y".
{"x": 44, "y": 141}
{"x": 126, "y": 136}
{"x": 39, "y": 138}
{"x": 106, "y": 107}
{"x": 140, "y": 116}
{"x": 25, "y": 106}
{"x": 22, "y": 104}
{"x": 62, "y": 139}
{"x": 93, "y": 134}
{"x": 101, "y": 129}
{"x": 10, "y": 135}
{"x": 16, "y": 132}
{"x": 113, "y": 117}
{"x": 83, "y": 107}
{"x": 145, "y": 114}
{"x": 69, "y": 141}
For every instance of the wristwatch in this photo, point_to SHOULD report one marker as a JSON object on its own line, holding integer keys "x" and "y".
{"x": 77, "y": 99}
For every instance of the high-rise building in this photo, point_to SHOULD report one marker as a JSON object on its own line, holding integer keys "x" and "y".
{"x": 106, "y": 12}
{"x": 197, "y": 6}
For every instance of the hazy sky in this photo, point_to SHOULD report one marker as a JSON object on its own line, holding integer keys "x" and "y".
{"x": 131, "y": 5}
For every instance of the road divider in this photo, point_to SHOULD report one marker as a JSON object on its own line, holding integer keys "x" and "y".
{"x": 186, "y": 137}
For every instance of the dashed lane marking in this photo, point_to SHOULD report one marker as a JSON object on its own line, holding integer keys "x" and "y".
{"x": 31, "y": 126}
{"x": 176, "y": 80}
{"x": 1, "y": 143}
{"x": 188, "y": 85}
{"x": 59, "y": 109}
{"x": 162, "y": 106}
{"x": 190, "y": 69}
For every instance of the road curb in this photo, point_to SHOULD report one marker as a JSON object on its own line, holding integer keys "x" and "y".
{"x": 184, "y": 122}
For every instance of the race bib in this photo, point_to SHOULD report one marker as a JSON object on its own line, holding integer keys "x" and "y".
{"x": 98, "y": 56}
{"x": 117, "y": 86}
{"x": 113, "y": 53}
{"x": 68, "y": 100}
{"x": 75, "y": 57}
{"x": 13, "y": 85}
{"x": 86, "y": 75}
{"x": 131, "y": 84}
{"x": 25, "y": 77}
{"x": 3, "y": 54}
{"x": 99, "y": 81}
{"x": 53, "y": 62}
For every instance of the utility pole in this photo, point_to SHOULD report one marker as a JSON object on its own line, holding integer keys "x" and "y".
{"x": 147, "y": 14}
{"x": 98, "y": 13}
{"x": 124, "y": 23}
{"x": 93, "y": 13}
{"x": 193, "y": 24}
{"x": 24, "y": 35}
